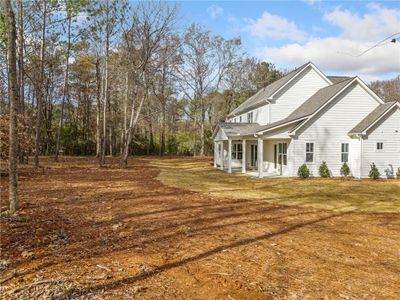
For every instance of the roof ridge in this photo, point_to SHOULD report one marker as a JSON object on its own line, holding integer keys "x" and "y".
{"x": 284, "y": 79}
{"x": 372, "y": 117}
{"x": 304, "y": 110}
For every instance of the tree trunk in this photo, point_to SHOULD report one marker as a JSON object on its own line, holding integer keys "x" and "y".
{"x": 105, "y": 105}
{"x": 163, "y": 125}
{"x": 65, "y": 89}
{"x": 13, "y": 94}
{"x": 21, "y": 106}
{"x": 132, "y": 123}
{"x": 123, "y": 133}
{"x": 110, "y": 132}
{"x": 98, "y": 110}
{"x": 40, "y": 93}
{"x": 202, "y": 138}
{"x": 151, "y": 140}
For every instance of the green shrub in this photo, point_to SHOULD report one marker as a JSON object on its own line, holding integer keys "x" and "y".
{"x": 324, "y": 170}
{"x": 345, "y": 170}
{"x": 398, "y": 173}
{"x": 374, "y": 172}
{"x": 303, "y": 171}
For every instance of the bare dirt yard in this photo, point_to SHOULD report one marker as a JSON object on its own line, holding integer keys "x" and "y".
{"x": 178, "y": 229}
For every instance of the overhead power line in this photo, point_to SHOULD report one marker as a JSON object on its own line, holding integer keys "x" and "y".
{"x": 389, "y": 39}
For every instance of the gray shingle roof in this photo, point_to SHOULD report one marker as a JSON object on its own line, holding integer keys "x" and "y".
{"x": 337, "y": 79}
{"x": 311, "y": 105}
{"x": 235, "y": 129}
{"x": 266, "y": 92}
{"x": 372, "y": 117}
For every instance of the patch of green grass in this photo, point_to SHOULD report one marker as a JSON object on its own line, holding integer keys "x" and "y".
{"x": 337, "y": 194}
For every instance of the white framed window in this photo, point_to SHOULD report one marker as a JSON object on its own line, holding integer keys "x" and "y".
{"x": 345, "y": 152}
{"x": 234, "y": 120}
{"x": 310, "y": 152}
{"x": 282, "y": 153}
{"x": 237, "y": 151}
{"x": 379, "y": 146}
{"x": 240, "y": 119}
{"x": 250, "y": 117}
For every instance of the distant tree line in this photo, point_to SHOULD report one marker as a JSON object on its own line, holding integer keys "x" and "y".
{"x": 116, "y": 78}
{"x": 388, "y": 90}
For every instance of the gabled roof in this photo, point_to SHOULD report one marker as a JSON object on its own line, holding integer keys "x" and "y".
{"x": 310, "y": 106}
{"x": 373, "y": 117}
{"x": 237, "y": 129}
{"x": 265, "y": 93}
{"x": 337, "y": 79}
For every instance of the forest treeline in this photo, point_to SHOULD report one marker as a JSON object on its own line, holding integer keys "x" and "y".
{"x": 118, "y": 77}
{"x": 114, "y": 78}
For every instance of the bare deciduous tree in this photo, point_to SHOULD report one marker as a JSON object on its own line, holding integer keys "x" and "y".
{"x": 151, "y": 22}
{"x": 205, "y": 59}
{"x": 13, "y": 95}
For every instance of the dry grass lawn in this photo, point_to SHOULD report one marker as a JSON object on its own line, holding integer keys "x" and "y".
{"x": 335, "y": 194}
{"x": 178, "y": 229}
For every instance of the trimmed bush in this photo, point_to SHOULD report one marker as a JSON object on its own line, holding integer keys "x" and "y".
{"x": 374, "y": 172}
{"x": 345, "y": 170}
{"x": 303, "y": 171}
{"x": 398, "y": 173}
{"x": 324, "y": 170}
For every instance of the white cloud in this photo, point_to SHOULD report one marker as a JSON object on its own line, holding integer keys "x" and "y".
{"x": 274, "y": 26}
{"x": 311, "y": 2}
{"x": 215, "y": 11}
{"x": 375, "y": 25}
{"x": 337, "y": 53}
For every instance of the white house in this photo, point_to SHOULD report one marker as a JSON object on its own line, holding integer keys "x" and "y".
{"x": 308, "y": 117}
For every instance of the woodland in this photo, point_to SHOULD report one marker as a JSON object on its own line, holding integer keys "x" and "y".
{"x": 116, "y": 78}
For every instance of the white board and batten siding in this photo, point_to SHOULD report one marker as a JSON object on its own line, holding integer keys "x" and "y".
{"x": 386, "y": 131}
{"x": 260, "y": 115}
{"x": 329, "y": 129}
{"x": 287, "y": 100}
{"x": 296, "y": 93}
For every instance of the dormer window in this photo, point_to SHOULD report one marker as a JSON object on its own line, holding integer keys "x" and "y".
{"x": 250, "y": 117}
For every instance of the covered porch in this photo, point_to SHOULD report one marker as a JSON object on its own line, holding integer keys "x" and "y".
{"x": 259, "y": 157}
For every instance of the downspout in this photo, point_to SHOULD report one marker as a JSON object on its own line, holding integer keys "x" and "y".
{"x": 361, "y": 155}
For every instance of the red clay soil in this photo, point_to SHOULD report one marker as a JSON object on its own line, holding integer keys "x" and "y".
{"x": 104, "y": 233}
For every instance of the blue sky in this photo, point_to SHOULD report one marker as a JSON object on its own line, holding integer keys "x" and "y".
{"x": 289, "y": 33}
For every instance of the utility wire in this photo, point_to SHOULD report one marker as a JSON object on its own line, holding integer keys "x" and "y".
{"x": 392, "y": 39}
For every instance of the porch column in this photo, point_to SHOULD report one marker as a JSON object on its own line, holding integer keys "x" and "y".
{"x": 222, "y": 157}
{"x": 244, "y": 156}
{"x": 215, "y": 154}
{"x": 229, "y": 156}
{"x": 260, "y": 158}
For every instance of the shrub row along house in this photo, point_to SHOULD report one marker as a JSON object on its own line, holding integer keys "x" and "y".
{"x": 307, "y": 117}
